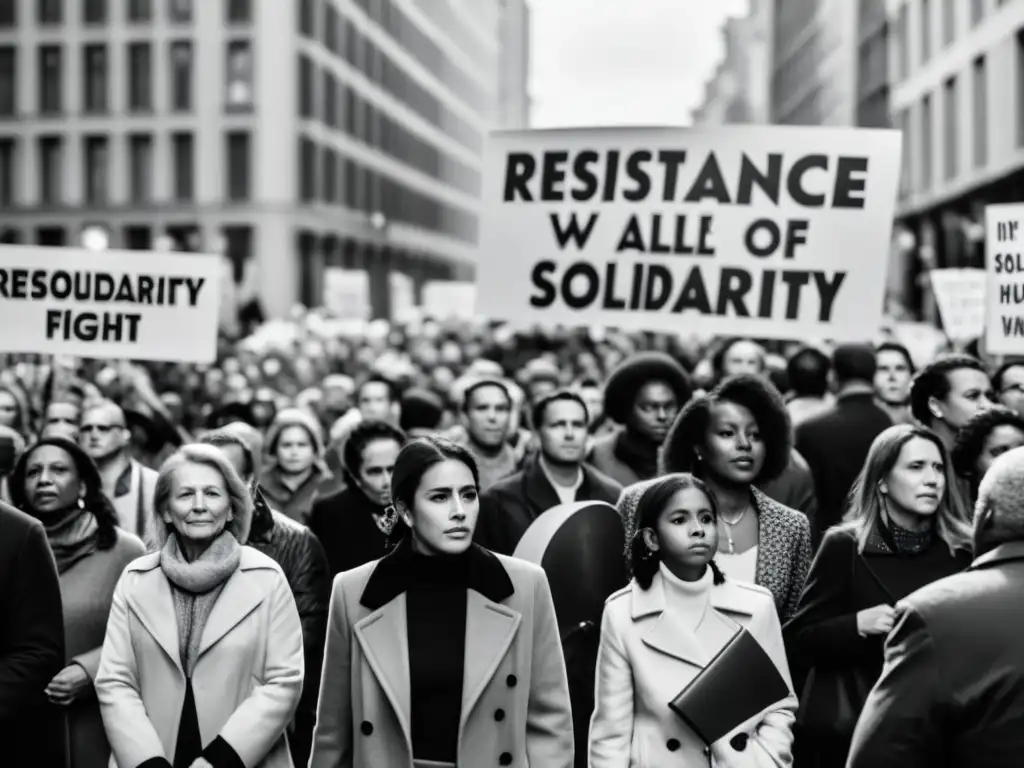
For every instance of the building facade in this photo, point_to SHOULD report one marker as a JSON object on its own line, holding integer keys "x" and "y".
{"x": 291, "y": 135}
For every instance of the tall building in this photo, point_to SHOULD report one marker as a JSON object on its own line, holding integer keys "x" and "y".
{"x": 514, "y": 72}
{"x": 957, "y": 93}
{"x": 293, "y": 134}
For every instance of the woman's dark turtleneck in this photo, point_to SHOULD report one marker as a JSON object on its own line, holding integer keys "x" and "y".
{"x": 436, "y": 617}
{"x": 345, "y": 525}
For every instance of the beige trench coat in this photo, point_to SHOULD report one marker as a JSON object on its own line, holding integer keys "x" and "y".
{"x": 515, "y": 705}
{"x": 247, "y": 679}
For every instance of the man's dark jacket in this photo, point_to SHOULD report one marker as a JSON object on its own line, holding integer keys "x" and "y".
{"x": 952, "y": 690}
{"x": 32, "y": 731}
{"x": 835, "y": 445}
{"x": 509, "y": 506}
{"x": 293, "y": 547}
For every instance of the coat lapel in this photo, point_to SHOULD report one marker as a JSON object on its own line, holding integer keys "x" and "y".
{"x": 539, "y": 492}
{"x": 662, "y": 633}
{"x": 157, "y": 616}
{"x": 384, "y": 637}
{"x": 490, "y": 629}
{"x": 237, "y": 600}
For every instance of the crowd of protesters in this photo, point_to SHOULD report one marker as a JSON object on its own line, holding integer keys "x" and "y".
{"x": 306, "y": 554}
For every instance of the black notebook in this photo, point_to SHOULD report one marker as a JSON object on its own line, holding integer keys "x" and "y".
{"x": 740, "y": 682}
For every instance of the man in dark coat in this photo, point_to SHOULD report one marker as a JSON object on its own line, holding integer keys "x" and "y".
{"x": 31, "y": 645}
{"x": 835, "y": 443}
{"x": 952, "y": 690}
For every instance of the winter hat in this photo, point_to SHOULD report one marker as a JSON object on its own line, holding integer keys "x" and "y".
{"x": 295, "y": 417}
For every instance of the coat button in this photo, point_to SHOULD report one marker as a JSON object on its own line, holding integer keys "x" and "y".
{"x": 505, "y": 758}
{"x": 499, "y": 715}
{"x": 739, "y": 742}
{"x": 512, "y": 681}
{"x": 366, "y": 727}
{"x": 673, "y": 745}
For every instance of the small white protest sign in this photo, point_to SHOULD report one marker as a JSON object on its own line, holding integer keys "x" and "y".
{"x": 450, "y": 299}
{"x": 960, "y": 294}
{"x": 1004, "y": 263}
{"x": 347, "y": 293}
{"x": 769, "y": 231}
{"x": 110, "y": 304}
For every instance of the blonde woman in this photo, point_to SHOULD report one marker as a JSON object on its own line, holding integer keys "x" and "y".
{"x": 202, "y": 664}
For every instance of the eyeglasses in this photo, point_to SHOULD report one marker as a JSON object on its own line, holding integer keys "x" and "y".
{"x": 103, "y": 429}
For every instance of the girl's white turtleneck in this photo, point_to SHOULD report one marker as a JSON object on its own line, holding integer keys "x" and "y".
{"x": 688, "y": 605}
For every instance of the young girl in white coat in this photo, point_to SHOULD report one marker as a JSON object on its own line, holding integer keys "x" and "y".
{"x": 660, "y": 631}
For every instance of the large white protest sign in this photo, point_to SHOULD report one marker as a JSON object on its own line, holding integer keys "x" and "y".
{"x": 1004, "y": 263}
{"x": 768, "y": 231}
{"x": 347, "y": 293}
{"x": 960, "y": 294}
{"x": 110, "y": 304}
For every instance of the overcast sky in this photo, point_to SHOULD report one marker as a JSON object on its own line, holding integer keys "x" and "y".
{"x": 623, "y": 62}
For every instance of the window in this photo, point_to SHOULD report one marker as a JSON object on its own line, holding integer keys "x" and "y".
{"x": 329, "y": 193}
{"x": 94, "y": 11}
{"x": 239, "y": 11}
{"x": 51, "y": 162}
{"x": 181, "y": 11}
{"x": 50, "y": 11}
{"x": 926, "y": 36}
{"x": 977, "y": 11}
{"x": 307, "y": 18}
{"x": 94, "y": 75}
{"x": 50, "y": 81}
{"x": 140, "y": 77}
{"x": 979, "y": 113}
{"x": 306, "y": 87}
{"x": 8, "y": 13}
{"x": 140, "y": 10}
{"x": 54, "y": 237}
{"x": 926, "y": 143}
{"x": 903, "y": 56}
{"x": 307, "y": 170}
{"x": 140, "y": 167}
{"x": 183, "y": 151}
{"x": 181, "y": 76}
{"x": 8, "y": 80}
{"x": 239, "y": 75}
{"x": 8, "y": 171}
{"x": 949, "y": 98}
{"x": 948, "y": 21}
{"x": 330, "y": 91}
{"x": 331, "y": 28}
{"x": 96, "y": 169}
{"x": 238, "y": 165}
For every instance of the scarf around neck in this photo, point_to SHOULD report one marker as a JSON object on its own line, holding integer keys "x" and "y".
{"x": 72, "y": 537}
{"x": 196, "y": 586}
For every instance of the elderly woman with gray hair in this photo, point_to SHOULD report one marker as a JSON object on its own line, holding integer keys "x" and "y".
{"x": 202, "y": 666}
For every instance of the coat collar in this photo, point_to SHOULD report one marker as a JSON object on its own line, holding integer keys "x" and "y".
{"x": 1011, "y": 550}
{"x": 393, "y": 576}
{"x": 153, "y": 603}
{"x": 540, "y": 494}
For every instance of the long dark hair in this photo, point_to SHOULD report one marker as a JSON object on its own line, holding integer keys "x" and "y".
{"x": 414, "y": 460}
{"x": 88, "y": 475}
{"x": 361, "y": 435}
{"x": 643, "y": 562}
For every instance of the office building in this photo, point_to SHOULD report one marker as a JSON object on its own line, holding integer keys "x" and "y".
{"x": 292, "y": 134}
{"x": 514, "y": 69}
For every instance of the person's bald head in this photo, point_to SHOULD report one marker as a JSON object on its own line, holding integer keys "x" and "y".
{"x": 999, "y": 511}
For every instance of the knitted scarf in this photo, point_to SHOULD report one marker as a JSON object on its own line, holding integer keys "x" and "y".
{"x": 196, "y": 586}
{"x": 72, "y": 536}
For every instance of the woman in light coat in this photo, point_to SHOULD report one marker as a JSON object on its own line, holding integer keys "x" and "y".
{"x": 660, "y": 631}
{"x": 442, "y": 653}
{"x": 202, "y": 663}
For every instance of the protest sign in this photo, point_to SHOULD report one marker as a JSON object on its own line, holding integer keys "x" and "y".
{"x": 110, "y": 304}
{"x": 960, "y": 294}
{"x": 1004, "y": 263}
{"x": 347, "y": 293}
{"x": 449, "y": 299}
{"x": 771, "y": 231}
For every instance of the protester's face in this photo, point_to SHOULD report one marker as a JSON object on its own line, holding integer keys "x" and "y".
{"x": 103, "y": 433}
{"x": 199, "y": 505}
{"x": 378, "y": 462}
{"x": 563, "y": 435}
{"x": 686, "y": 534}
{"x": 295, "y": 452}
{"x": 892, "y": 377}
{"x": 444, "y": 510}
{"x": 375, "y": 401}
{"x": 60, "y": 429}
{"x": 62, "y": 413}
{"x": 734, "y": 448}
{"x": 917, "y": 481}
{"x": 1011, "y": 393}
{"x": 743, "y": 357}
{"x": 1003, "y": 438}
{"x": 970, "y": 393}
{"x": 52, "y": 483}
{"x": 594, "y": 398}
{"x": 8, "y": 409}
{"x": 654, "y": 410}
{"x": 488, "y": 414}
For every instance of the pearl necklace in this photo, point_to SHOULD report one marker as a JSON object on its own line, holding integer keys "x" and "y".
{"x": 728, "y": 530}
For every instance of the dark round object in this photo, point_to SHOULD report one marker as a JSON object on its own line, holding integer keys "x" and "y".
{"x": 366, "y": 727}
{"x": 505, "y": 758}
{"x": 672, "y": 745}
{"x": 499, "y": 715}
{"x": 512, "y": 681}
{"x": 739, "y": 741}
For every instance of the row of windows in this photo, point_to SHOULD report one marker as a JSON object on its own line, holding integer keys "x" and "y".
{"x": 341, "y": 107}
{"x": 95, "y": 74}
{"x": 52, "y": 12}
{"x": 327, "y": 176}
{"x": 238, "y": 239}
{"x": 96, "y": 164}
{"x": 320, "y": 20}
